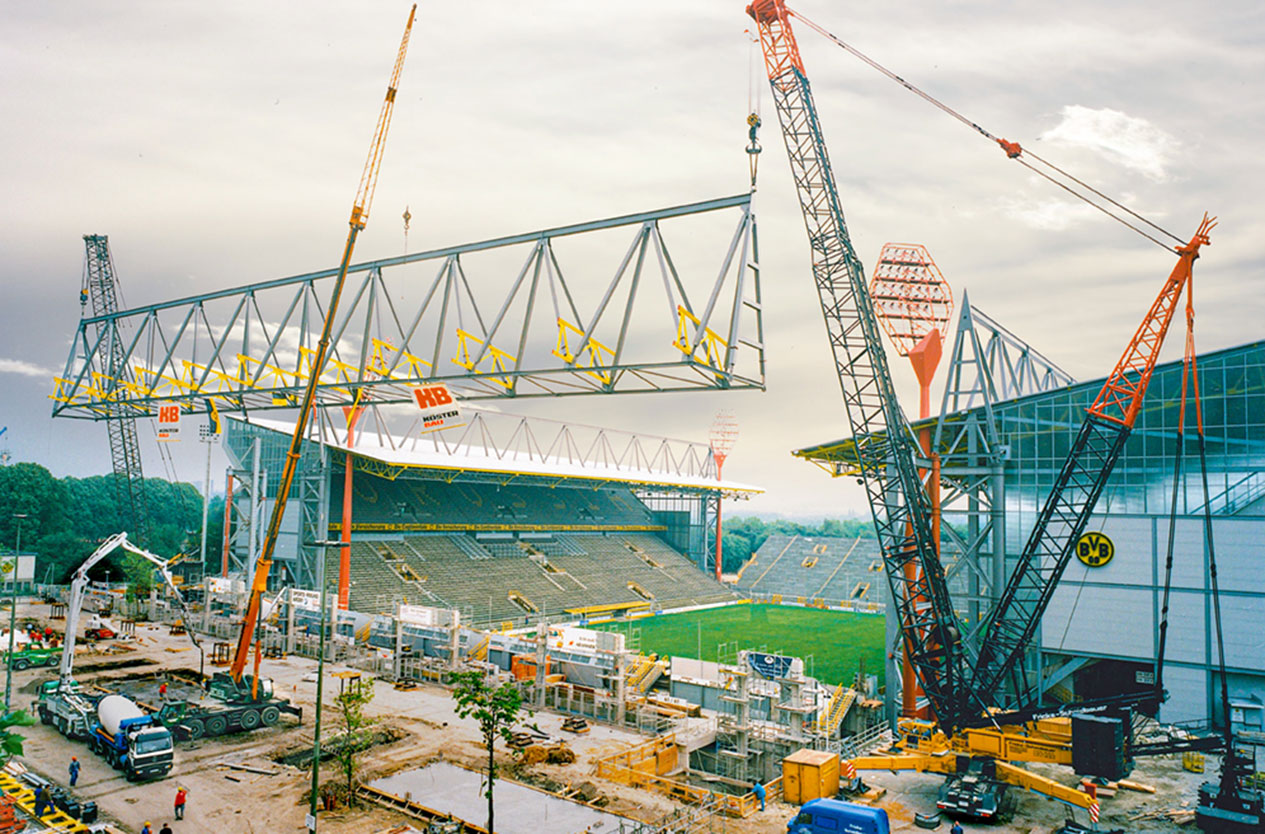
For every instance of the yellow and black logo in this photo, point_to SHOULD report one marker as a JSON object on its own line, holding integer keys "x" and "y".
{"x": 1095, "y": 549}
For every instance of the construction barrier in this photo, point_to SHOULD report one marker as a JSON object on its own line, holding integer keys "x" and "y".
{"x": 647, "y": 765}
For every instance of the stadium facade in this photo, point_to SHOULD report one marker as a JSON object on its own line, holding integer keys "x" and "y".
{"x": 1101, "y": 631}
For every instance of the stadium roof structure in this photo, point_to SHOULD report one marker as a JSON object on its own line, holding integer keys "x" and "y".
{"x": 495, "y": 447}
{"x": 839, "y": 456}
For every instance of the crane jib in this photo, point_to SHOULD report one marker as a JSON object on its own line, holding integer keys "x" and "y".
{"x": 888, "y": 467}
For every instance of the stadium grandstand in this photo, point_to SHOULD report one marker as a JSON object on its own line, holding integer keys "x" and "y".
{"x": 821, "y": 570}
{"x": 810, "y": 569}
{"x": 503, "y": 535}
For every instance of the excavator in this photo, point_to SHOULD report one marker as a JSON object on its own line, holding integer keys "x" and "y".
{"x": 984, "y": 720}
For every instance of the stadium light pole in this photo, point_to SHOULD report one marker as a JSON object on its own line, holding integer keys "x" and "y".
{"x": 13, "y": 615}
{"x": 320, "y": 680}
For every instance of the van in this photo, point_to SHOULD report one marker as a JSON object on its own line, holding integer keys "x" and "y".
{"x": 830, "y": 816}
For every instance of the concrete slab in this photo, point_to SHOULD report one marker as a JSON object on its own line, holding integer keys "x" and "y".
{"x": 455, "y": 790}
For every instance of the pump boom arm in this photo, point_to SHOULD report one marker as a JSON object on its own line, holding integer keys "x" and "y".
{"x": 78, "y": 589}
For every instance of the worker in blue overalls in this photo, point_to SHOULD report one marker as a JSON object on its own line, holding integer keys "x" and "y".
{"x": 758, "y": 790}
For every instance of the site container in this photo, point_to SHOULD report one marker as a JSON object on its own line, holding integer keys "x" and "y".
{"x": 810, "y": 774}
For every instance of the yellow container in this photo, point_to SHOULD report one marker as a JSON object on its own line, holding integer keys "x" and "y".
{"x": 809, "y": 774}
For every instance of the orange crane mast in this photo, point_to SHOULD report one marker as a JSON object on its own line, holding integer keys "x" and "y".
{"x": 359, "y": 217}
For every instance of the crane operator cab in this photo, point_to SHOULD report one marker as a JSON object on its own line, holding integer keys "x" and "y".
{"x": 830, "y": 816}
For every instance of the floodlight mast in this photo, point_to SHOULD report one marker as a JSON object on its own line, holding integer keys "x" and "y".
{"x": 359, "y": 217}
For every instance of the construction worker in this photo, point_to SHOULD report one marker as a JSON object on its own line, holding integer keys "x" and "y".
{"x": 145, "y": 829}
{"x": 758, "y": 790}
{"x": 166, "y": 829}
{"x": 162, "y": 690}
{"x": 181, "y": 797}
{"x": 74, "y": 770}
{"x": 42, "y": 803}
{"x": 956, "y": 829}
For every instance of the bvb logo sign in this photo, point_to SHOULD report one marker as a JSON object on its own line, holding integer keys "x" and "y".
{"x": 1095, "y": 549}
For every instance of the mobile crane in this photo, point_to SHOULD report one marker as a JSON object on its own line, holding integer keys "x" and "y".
{"x": 969, "y": 739}
{"x": 234, "y": 686}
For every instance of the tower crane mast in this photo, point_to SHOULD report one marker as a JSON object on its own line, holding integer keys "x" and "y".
{"x": 886, "y": 449}
{"x": 100, "y": 290}
{"x": 359, "y": 217}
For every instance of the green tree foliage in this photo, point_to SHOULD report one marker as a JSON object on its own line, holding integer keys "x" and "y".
{"x": 68, "y": 517}
{"x": 355, "y": 738}
{"x": 496, "y": 708}
{"x": 11, "y": 742}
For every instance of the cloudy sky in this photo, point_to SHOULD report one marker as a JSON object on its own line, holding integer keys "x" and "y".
{"x": 220, "y": 144}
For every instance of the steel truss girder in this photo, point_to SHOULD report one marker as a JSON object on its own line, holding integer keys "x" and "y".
{"x": 251, "y": 348}
{"x": 514, "y": 440}
{"x": 886, "y": 458}
{"x": 1006, "y": 367}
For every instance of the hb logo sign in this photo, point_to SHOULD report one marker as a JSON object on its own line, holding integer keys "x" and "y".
{"x": 432, "y": 396}
{"x": 1095, "y": 549}
{"x": 169, "y": 414}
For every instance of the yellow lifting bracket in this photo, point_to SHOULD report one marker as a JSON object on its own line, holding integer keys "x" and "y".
{"x": 594, "y": 354}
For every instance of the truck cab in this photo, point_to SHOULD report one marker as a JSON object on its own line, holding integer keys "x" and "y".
{"x": 831, "y": 816}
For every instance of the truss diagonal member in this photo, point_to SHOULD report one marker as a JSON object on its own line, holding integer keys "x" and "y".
{"x": 251, "y": 347}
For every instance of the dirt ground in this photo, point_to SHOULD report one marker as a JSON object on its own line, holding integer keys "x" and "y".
{"x": 227, "y": 801}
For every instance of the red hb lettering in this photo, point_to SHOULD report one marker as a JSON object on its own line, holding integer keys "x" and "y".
{"x": 169, "y": 414}
{"x": 432, "y": 396}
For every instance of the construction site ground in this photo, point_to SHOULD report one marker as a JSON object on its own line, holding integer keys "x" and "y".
{"x": 271, "y": 796}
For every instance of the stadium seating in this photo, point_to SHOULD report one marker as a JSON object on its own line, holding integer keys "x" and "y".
{"x": 548, "y": 574}
{"x": 421, "y": 505}
{"x": 811, "y": 568}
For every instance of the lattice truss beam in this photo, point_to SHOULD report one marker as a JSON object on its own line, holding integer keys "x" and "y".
{"x": 495, "y": 319}
{"x": 514, "y": 440}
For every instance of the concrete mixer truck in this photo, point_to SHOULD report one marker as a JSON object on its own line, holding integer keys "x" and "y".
{"x": 130, "y": 739}
{"x": 118, "y": 730}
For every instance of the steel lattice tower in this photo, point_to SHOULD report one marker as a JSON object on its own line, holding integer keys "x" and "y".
{"x": 100, "y": 288}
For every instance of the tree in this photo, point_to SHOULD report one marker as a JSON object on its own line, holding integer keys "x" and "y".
{"x": 351, "y": 701}
{"x": 11, "y": 742}
{"x": 496, "y": 708}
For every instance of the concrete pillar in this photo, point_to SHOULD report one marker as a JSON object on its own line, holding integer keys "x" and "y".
{"x": 291, "y": 637}
{"x": 621, "y": 687}
{"x": 542, "y": 661}
{"x": 398, "y": 659}
{"x": 454, "y": 644}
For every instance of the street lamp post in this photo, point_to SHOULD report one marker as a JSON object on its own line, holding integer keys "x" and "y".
{"x": 320, "y": 680}
{"x": 13, "y": 616}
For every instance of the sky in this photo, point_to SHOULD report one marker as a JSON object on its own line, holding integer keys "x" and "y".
{"x": 221, "y": 144}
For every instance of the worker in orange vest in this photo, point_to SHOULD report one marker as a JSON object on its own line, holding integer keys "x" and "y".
{"x": 181, "y": 796}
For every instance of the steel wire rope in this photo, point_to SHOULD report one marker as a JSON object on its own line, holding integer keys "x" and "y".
{"x": 1013, "y": 149}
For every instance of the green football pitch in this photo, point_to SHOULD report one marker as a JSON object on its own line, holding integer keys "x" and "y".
{"x": 832, "y": 643}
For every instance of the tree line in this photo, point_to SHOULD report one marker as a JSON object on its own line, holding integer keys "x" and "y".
{"x": 741, "y": 536}
{"x": 67, "y": 518}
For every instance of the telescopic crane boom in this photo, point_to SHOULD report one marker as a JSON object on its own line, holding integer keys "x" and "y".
{"x": 359, "y": 217}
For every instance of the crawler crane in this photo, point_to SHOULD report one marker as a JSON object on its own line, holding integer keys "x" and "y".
{"x": 970, "y": 739}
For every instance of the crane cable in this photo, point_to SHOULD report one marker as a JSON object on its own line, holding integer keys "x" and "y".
{"x": 1012, "y": 149}
{"x": 755, "y": 89}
